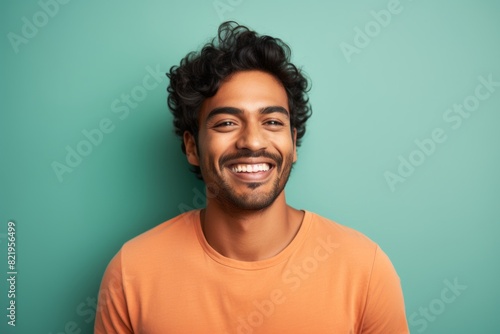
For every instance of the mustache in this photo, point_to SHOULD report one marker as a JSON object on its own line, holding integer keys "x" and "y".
{"x": 250, "y": 154}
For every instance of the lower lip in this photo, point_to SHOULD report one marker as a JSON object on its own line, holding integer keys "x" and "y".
{"x": 253, "y": 177}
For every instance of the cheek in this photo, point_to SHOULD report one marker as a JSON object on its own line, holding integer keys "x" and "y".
{"x": 212, "y": 149}
{"x": 284, "y": 144}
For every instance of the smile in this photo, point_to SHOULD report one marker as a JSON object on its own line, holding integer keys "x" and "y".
{"x": 250, "y": 168}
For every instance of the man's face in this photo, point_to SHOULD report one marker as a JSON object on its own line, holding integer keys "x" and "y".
{"x": 246, "y": 147}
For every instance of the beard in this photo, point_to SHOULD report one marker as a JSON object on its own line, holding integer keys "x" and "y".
{"x": 220, "y": 189}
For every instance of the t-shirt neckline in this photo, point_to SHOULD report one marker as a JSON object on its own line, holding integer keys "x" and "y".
{"x": 252, "y": 265}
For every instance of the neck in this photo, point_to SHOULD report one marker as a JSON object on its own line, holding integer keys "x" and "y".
{"x": 248, "y": 235}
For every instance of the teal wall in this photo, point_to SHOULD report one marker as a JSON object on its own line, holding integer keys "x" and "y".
{"x": 388, "y": 150}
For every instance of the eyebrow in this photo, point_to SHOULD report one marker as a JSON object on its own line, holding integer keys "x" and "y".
{"x": 236, "y": 111}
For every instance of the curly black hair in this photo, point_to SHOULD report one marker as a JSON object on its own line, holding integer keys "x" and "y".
{"x": 236, "y": 48}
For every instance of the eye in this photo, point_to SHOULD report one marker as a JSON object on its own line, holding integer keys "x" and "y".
{"x": 224, "y": 124}
{"x": 274, "y": 122}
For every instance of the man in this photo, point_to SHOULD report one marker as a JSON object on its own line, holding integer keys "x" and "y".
{"x": 247, "y": 262}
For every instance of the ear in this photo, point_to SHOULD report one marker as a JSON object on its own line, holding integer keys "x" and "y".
{"x": 191, "y": 150}
{"x": 294, "y": 144}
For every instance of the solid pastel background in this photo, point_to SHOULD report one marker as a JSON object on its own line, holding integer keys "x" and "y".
{"x": 441, "y": 224}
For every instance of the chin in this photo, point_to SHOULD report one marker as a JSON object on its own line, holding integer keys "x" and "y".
{"x": 255, "y": 201}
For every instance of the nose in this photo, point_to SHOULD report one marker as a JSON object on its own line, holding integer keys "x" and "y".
{"x": 252, "y": 137}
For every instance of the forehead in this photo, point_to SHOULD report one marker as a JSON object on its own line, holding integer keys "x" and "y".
{"x": 249, "y": 91}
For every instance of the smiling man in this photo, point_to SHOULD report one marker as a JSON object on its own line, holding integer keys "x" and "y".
{"x": 248, "y": 262}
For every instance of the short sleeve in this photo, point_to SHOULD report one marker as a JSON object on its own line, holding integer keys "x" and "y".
{"x": 112, "y": 313}
{"x": 384, "y": 310}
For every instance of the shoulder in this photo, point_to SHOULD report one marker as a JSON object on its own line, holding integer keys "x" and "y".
{"x": 340, "y": 233}
{"x": 346, "y": 245}
{"x": 167, "y": 235}
{"x": 352, "y": 252}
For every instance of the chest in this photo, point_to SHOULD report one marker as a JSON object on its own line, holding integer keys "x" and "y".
{"x": 304, "y": 297}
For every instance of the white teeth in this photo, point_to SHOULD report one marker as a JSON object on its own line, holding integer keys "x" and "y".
{"x": 250, "y": 168}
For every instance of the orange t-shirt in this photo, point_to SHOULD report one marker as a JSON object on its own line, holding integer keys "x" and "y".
{"x": 329, "y": 279}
